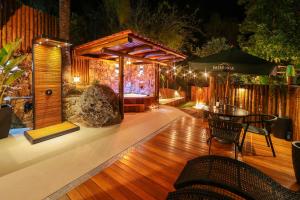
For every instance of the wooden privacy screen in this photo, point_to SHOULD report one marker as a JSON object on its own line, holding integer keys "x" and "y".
{"x": 20, "y": 21}
{"x": 47, "y": 78}
{"x": 80, "y": 67}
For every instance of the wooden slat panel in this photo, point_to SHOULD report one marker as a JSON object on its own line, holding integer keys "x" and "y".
{"x": 20, "y": 21}
{"x": 47, "y": 75}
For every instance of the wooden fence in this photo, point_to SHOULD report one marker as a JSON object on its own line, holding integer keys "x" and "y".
{"x": 21, "y": 21}
{"x": 277, "y": 100}
{"x": 80, "y": 67}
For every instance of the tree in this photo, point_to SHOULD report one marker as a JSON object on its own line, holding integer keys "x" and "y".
{"x": 64, "y": 19}
{"x": 272, "y": 32}
{"x": 162, "y": 22}
{"x": 213, "y": 46}
{"x": 217, "y": 27}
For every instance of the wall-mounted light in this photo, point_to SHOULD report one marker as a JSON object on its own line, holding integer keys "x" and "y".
{"x": 117, "y": 68}
{"x": 76, "y": 79}
{"x": 128, "y": 62}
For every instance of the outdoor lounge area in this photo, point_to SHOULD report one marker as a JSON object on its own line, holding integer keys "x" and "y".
{"x": 128, "y": 100}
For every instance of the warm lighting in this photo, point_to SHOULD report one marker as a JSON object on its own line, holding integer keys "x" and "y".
{"x": 47, "y": 39}
{"x": 205, "y": 74}
{"x": 175, "y": 73}
{"x": 128, "y": 62}
{"x": 199, "y": 105}
{"x": 190, "y": 71}
{"x": 184, "y": 75}
{"x": 167, "y": 71}
{"x": 58, "y": 46}
{"x": 40, "y": 43}
{"x": 76, "y": 79}
{"x": 176, "y": 93}
{"x": 194, "y": 75}
{"x": 117, "y": 68}
{"x": 174, "y": 68}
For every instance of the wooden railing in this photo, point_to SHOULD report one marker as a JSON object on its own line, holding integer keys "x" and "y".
{"x": 21, "y": 21}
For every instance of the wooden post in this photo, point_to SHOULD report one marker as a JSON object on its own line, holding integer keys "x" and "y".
{"x": 157, "y": 85}
{"x": 212, "y": 90}
{"x": 121, "y": 86}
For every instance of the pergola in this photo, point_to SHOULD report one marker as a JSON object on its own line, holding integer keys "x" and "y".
{"x": 128, "y": 44}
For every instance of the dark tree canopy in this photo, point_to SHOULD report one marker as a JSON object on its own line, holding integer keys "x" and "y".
{"x": 272, "y": 32}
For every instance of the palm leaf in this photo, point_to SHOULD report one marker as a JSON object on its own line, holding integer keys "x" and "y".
{"x": 13, "y": 77}
{"x": 13, "y": 63}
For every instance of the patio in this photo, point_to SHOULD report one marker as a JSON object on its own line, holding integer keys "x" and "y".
{"x": 149, "y": 171}
{"x": 149, "y": 100}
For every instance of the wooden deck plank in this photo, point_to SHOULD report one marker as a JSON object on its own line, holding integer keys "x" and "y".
{"x": 149, "y": 171}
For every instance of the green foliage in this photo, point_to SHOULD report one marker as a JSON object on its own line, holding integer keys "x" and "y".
{"x": 290, "y": 70}
{"x": 163, "y": 23}
{"x": 218, "y": 27}
{"x": 215, "y": 45}
{"x": 271, "y": 30}
{"x": 8, "y": 63}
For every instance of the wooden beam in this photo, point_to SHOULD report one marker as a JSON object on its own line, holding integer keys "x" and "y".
{"x": 97, "y": 47}
{"x": 108, "y": 51}
{"x": 121, "y": 86}
{"x": 98, "y": 59}
{"x": 137, "y": 48}
{"x": 157, "y": 84}
{"x": 160, "y": 47}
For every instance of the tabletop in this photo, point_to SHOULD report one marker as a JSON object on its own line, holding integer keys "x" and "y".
{"x": 227, "y": 110}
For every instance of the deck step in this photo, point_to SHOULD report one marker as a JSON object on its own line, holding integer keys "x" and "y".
{"x": 49, "y": 132}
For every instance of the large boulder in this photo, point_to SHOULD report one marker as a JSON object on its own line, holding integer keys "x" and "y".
{"x": 99, "y": 106}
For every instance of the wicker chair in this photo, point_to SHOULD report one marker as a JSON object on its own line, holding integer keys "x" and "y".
{"x": 260, "y": 124}
{"x": 229, "y": 178}
{"x": 196, "y": 194}
{"x": 225, "y": 130}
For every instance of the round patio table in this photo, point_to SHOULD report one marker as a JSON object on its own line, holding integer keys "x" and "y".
{"x": 227, "y": 112}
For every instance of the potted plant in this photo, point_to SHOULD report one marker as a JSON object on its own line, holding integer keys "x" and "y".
{"x": 9, "y": 73}
{"x": 290, "y": 74}
{"x": 296, "y": 159}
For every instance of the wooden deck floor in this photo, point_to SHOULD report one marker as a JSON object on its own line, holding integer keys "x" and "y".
{"x": 149, "y": 171}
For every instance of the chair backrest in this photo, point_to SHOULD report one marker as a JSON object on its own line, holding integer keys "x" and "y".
{"x": 225, "y": 129}
{"x": 232, "y": 175}
{"x": 261, "y": 120}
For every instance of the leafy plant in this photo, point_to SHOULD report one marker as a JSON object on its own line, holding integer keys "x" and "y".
{"x": 290, "y": 70}
{"x": 9, "y": 71}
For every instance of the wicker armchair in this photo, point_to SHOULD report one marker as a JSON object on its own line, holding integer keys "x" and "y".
{"x": 225, "y": 130}
{"x": 260, "y": 124}
{"x": 196, "y": 194}
{"x": 229, "y": 178}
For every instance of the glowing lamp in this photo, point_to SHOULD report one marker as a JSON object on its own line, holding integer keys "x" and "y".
{"x": 205, "y": 74}
{"x": 190, "y": 71}
{"x": 76, "y": 79}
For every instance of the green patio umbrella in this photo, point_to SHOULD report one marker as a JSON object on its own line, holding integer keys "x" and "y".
{"x": 232, "y": 60}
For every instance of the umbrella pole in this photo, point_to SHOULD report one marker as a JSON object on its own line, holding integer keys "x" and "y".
{"x": 227, "y": 88}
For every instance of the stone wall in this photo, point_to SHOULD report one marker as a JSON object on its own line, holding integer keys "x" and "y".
{"x": 22, "y": 88}
{"x": 138, "y": 79}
